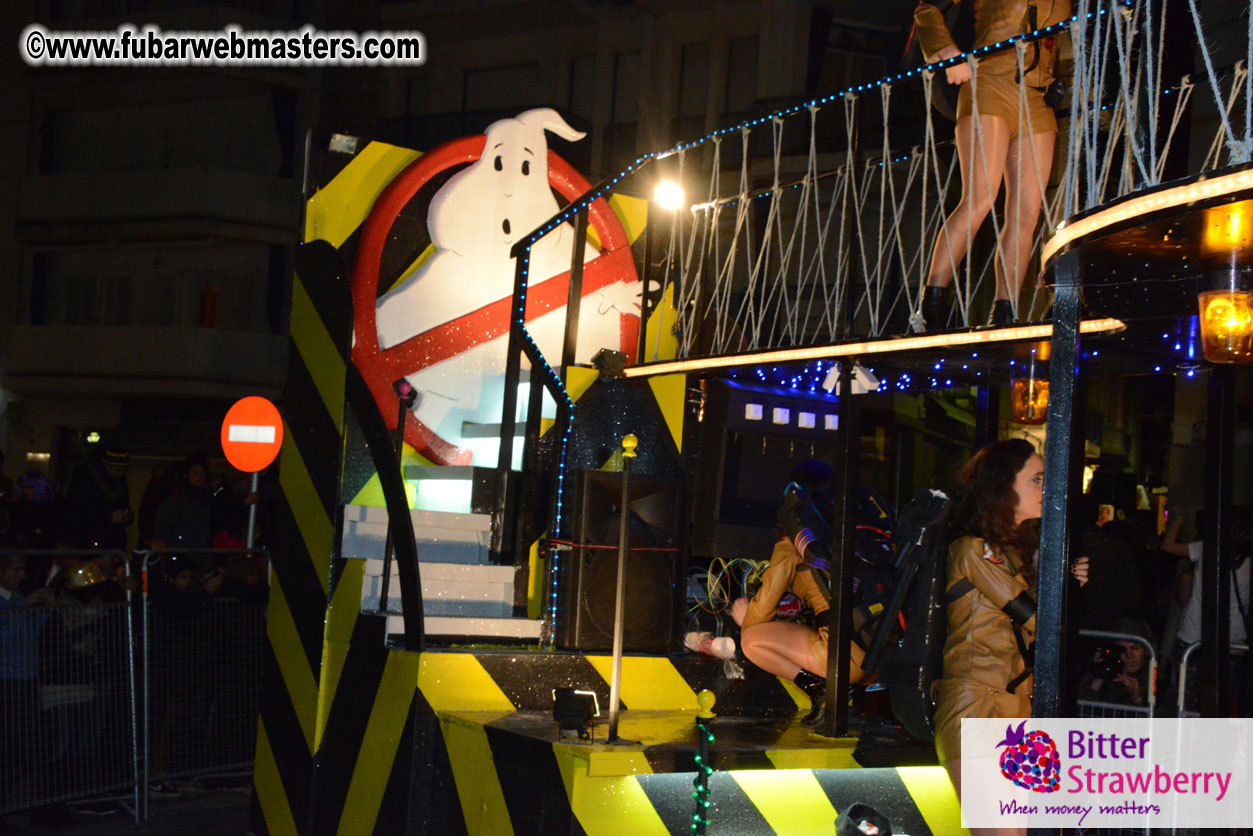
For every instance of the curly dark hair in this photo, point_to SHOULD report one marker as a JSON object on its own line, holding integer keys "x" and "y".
{"x": 985, "y": 507}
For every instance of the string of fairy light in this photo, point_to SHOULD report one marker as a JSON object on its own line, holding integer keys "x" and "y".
{"x": 700, "y": 784}
{"x": 1183, "y": 346}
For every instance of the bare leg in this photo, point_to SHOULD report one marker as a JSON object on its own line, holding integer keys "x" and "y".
{"x": 783, "y": 648}
{"x": 982, "y": 166}
{"x": 954, "y": 770}
{"x": 1023, "y": 201}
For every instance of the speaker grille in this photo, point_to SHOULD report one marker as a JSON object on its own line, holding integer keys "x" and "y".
{"x": 590, "y": 577}
{"x": 648, "y": 600}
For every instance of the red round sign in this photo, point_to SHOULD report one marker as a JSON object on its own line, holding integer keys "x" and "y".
{"x": 252, "y": 432}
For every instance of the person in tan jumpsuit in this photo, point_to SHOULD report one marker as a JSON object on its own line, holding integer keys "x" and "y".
{"x": 787, "y": 649}
{"x": 985, "y": 672}
{"x": 1000, "y": 138}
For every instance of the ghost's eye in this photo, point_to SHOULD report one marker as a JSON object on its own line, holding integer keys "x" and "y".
{"x": 499, "y": 166}
{"x": 526, "y": 167}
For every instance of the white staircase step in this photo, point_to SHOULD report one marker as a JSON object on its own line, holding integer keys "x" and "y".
{"x": 448, "y": 589}
{"x": 421, "y": 519}
{"x": 500, "y": 628}
{"x": 442, "y": 536}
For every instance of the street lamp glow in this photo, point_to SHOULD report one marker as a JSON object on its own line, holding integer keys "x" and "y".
{"x": 669, "y": 195}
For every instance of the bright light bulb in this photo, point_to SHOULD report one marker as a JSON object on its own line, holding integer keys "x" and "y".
{"x": 669, "y": 195}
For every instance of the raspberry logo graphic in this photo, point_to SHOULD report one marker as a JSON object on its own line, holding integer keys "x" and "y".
{"x": 1030, "y": 759}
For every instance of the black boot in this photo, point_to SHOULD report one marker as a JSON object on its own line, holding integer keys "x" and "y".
{"x": 935, "y": 308}
{"x": 815, "y": 687}
{"x": 1002, "y": 314}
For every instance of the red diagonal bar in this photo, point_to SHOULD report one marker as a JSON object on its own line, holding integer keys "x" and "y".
{"x": 491, "y": 321}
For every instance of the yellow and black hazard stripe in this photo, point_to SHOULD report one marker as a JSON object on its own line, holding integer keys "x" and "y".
{"x": 507, "y": 779}
{"x": 312, "y": 649}
{"x": 305, "y": 527}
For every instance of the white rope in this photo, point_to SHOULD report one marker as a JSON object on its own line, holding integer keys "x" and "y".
{"x": 1181, "y": 103}
{"x": 774, "y": 235}
{"x": 1078, "y": 87}
{"x": 928, "y": 142}
{"x": 806, "y": 273}
{"x": 689, "y": 311}
{"x": 1239, "y": 153}
{"x": 1233, "y": 146}
{"x": 778, "y": 273}
{"x": 1124, "y": 36}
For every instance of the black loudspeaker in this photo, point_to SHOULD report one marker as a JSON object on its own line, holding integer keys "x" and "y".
{"x": 589, "y": 577}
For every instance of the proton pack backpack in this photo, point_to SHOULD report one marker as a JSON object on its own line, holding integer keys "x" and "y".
{"x": 910, "y": 661}
{"x": 874, "y": 547}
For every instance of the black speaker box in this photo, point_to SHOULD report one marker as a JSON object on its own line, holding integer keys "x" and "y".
{"x": 589, "y": 576}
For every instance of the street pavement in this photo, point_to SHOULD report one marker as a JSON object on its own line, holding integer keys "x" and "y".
{"x": 197, "y": 811}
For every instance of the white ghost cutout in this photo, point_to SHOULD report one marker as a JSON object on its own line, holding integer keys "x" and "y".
{"x": 474, "y": 219}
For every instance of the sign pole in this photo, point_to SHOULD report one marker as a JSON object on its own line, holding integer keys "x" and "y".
{"x": 252, "y": 509}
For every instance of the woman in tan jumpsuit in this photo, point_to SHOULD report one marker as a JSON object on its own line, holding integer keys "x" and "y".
{"x": 787, "y": 649}
{"x": 1001, "y": 140}
{"x": 991, "y": 585}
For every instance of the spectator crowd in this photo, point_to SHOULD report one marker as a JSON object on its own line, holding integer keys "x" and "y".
{"x": 72, "y": 640}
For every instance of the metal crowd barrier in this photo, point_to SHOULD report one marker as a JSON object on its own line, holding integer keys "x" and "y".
{"x": 68, "y": 702}
{"x": 1114, "y": 711}
{"x": 1182, "y": 700}
{"x": 78, "y": 681}
{"x": 203, "y": 657}
{"x": 1235, "y": 649}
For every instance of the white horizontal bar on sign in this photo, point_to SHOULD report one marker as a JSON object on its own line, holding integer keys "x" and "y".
{"x": 255, "y": 433}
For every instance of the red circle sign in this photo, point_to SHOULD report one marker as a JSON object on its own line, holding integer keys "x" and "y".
{"x": 252, "y": 432}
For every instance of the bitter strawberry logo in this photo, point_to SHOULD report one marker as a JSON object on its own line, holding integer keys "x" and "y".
{"x": 1030, "y": 759}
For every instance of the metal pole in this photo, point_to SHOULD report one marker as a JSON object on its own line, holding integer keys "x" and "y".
{"x": 1216, "y": 543}
{"x": 641, "y": 348}
{"x": 252, "y": 510}
{"x": 574, "y": 294}
{"x": 147, "y": 689}
{"x": 130, "y": 659}
{"x": 406, "y": 395}
{"x": 840, "y": 627}
{"x": 513, "y": 360}
{"x": 629, "y": 444}
{"x": 1060, "y": 483}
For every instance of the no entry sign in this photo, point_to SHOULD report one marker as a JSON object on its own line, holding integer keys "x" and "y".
{"x": 252, "y": 432}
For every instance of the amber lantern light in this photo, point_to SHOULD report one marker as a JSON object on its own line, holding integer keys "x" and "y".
{"x": 1227, "y": 307}
{"x": 1227, "y": 325}
{"x": 1029, "y": 392}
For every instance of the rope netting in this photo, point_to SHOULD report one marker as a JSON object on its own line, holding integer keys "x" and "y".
{"x": 817, "y": 223}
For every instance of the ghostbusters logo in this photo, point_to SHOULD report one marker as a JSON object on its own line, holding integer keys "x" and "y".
{"x": 444, "y": 326}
